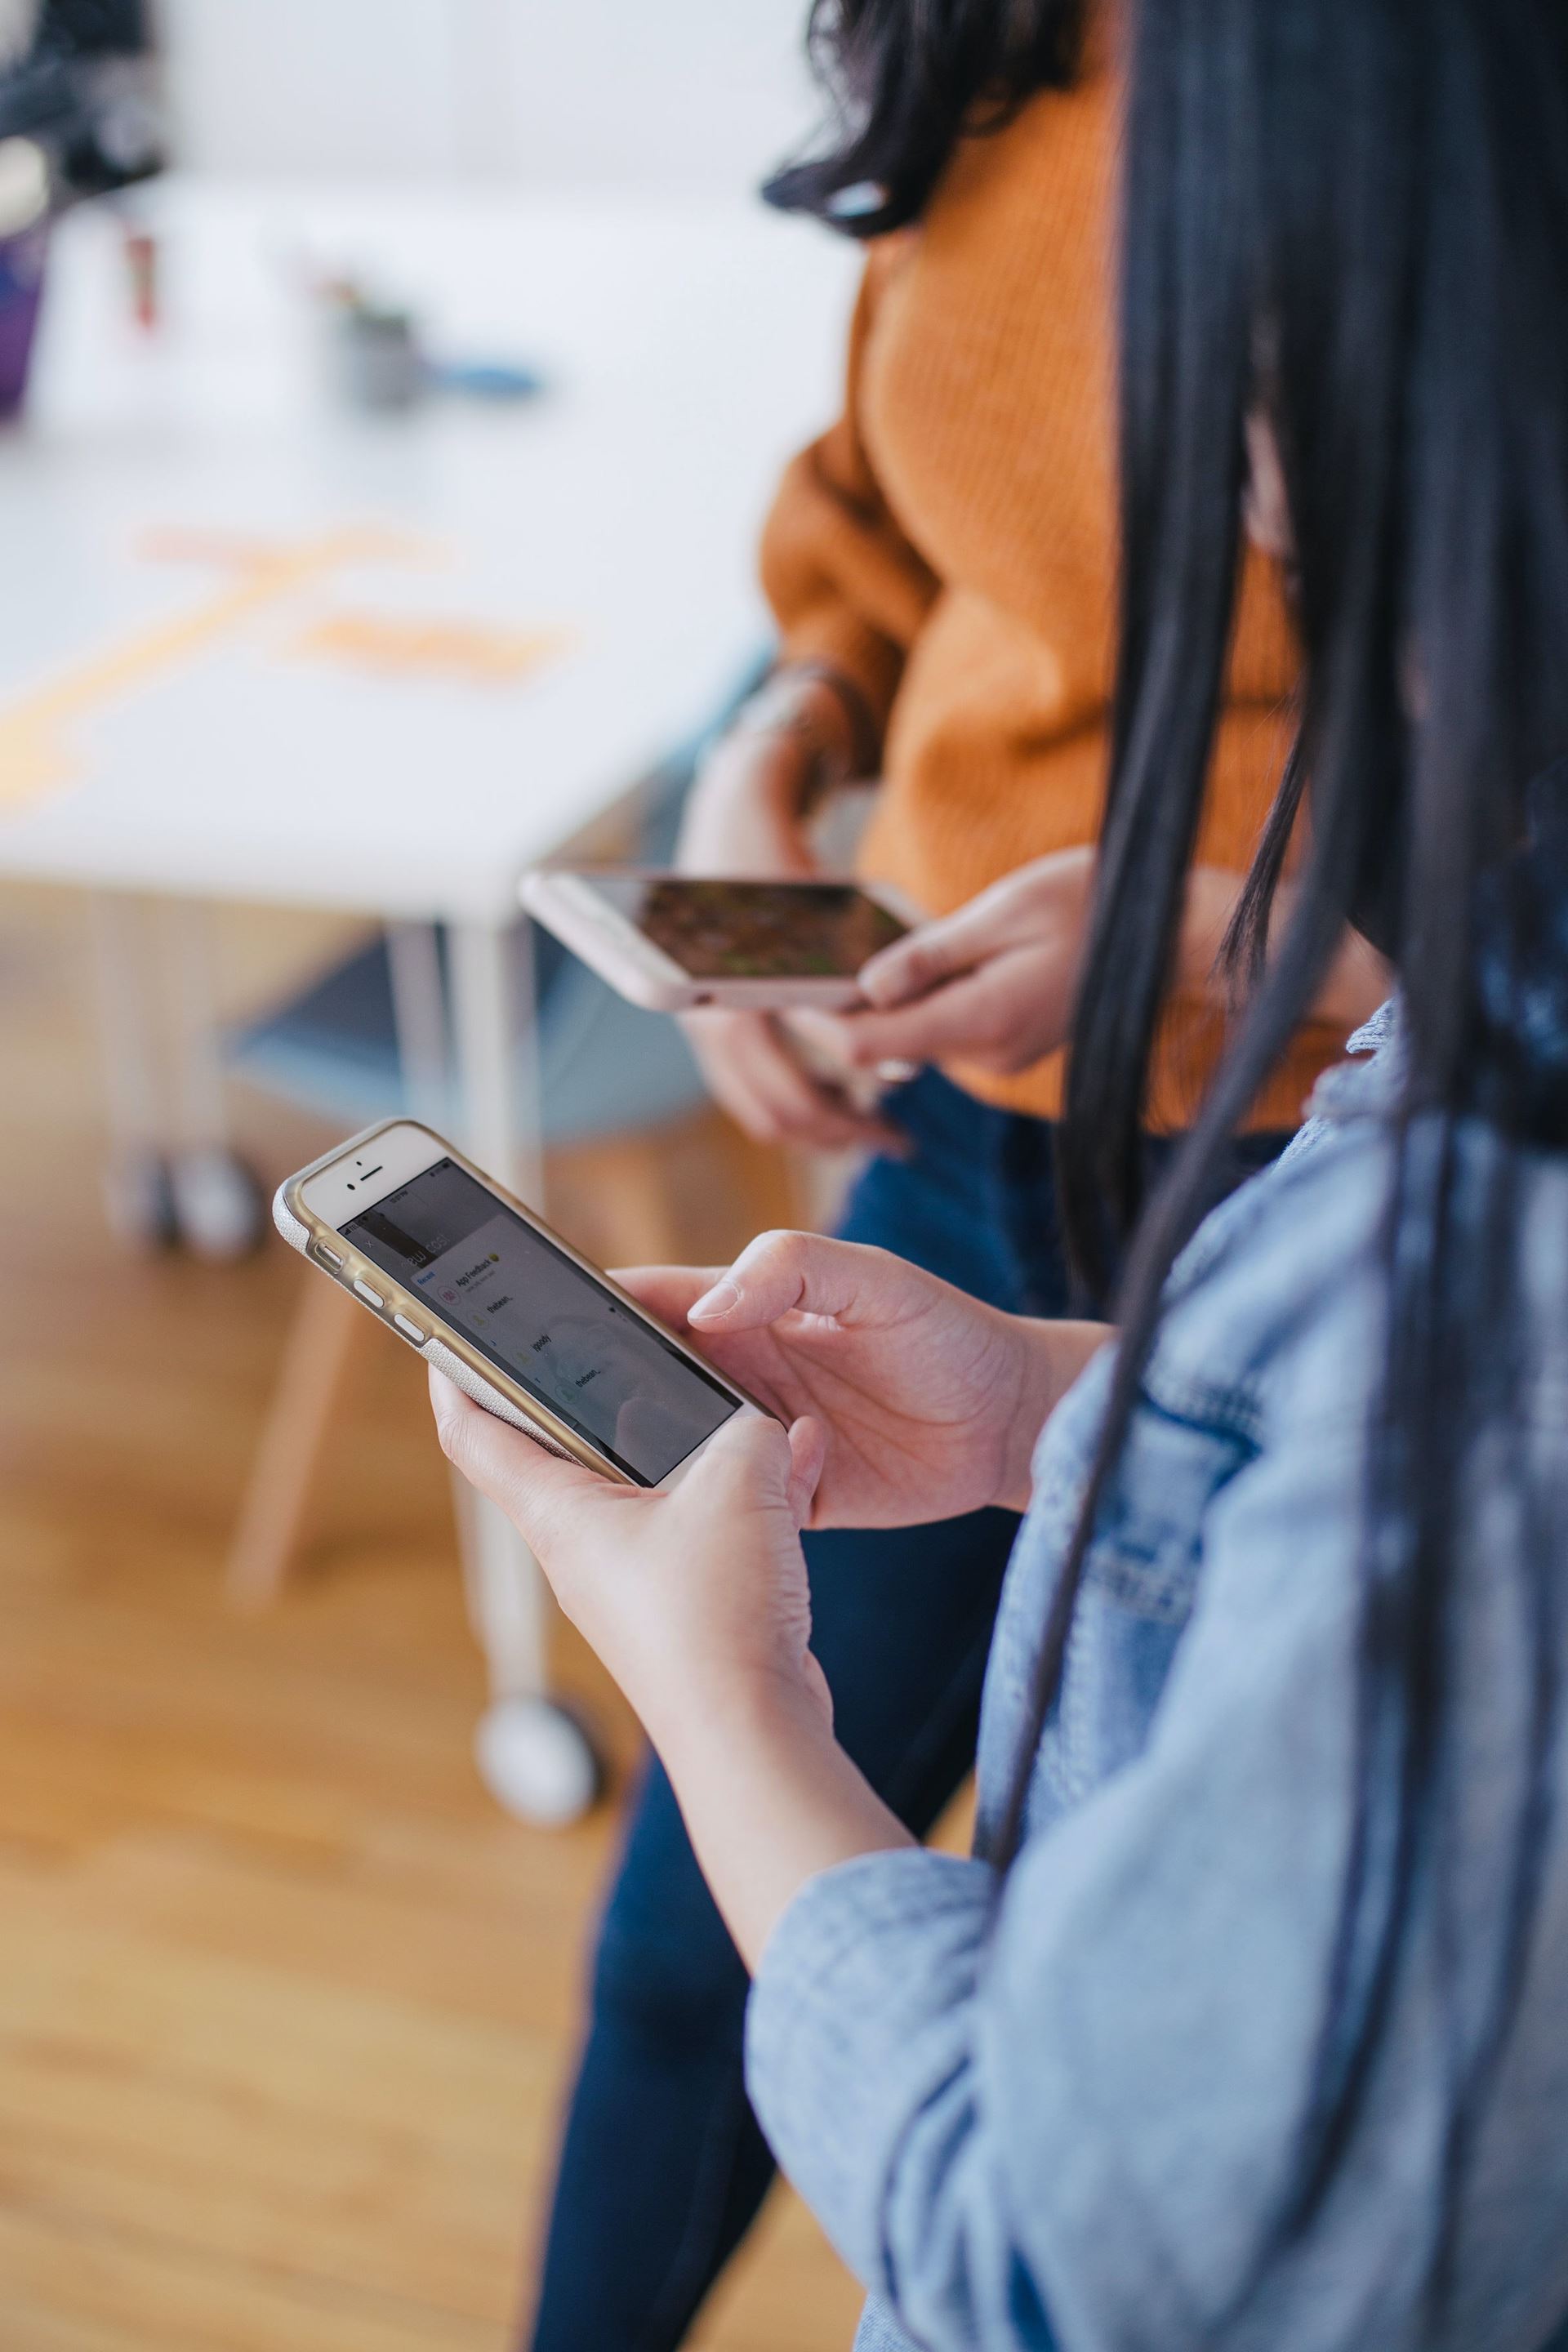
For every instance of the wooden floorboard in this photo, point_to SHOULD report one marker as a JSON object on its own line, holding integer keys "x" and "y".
{"x": 285, "y": 2005}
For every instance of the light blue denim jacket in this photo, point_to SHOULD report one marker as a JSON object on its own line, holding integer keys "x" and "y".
{"x": 1066, "y": 2120}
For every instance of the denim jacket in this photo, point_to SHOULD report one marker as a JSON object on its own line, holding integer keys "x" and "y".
{"x": 1066, "y": 2118}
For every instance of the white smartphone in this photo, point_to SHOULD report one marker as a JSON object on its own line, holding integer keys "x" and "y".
{"x": 672, "y": 941}
{"x": 518, "y": 1319}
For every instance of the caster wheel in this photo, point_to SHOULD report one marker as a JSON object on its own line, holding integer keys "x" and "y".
{"x": 139, "y": 1199}
{"x": 217, "y": 1203}
{"x": 537, "y": 1762}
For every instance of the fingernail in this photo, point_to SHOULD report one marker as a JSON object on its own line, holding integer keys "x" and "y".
{"x": 715, "y": 1304}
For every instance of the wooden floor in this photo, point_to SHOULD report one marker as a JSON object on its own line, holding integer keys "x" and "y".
{"x": 285, "y": 2004}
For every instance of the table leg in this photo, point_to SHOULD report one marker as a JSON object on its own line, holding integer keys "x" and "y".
{"x": 136, "y": 1185}
{"x": 419, "y": 1012}
{"x": 489, "y": 1010}
{"x": 505, "y": 1597}
{"x": 534, "y": 1757}
{"x": 493, "y": 1018}
{"x": 201, "y": 1107}
{"x": 218, "y": 1205}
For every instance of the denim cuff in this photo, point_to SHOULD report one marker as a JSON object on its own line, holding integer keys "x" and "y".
{"x": 861, "y": 2006}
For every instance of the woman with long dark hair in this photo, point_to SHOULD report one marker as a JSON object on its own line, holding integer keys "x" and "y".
{"x": 1248, "y": 2023}
{"x": 942, "y": 566}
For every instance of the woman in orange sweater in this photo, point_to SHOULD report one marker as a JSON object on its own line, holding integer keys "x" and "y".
{"x": 941, "y": 567}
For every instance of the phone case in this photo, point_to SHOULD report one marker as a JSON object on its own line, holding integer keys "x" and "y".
{"x": 435, "y": 1351}
{"x": 598, "y": 941}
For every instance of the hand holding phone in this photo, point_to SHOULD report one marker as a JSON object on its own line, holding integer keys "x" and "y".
{"x": 675, "y": 942}
{"x": 696, "y": 1600}
{"x": 516, "y": 1318}
{"x": 991, "y": 984}
{"x": 929, "y": 1400}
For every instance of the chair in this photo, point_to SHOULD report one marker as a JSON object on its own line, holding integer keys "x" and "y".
{"x": 368, "y": 1041}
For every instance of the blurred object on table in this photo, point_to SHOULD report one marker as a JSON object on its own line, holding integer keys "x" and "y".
{"x": 493, "y": 380}
{"x": 377, "y": 357}
{"x": 143, "y": 284}
{"x": 374, "y": 355}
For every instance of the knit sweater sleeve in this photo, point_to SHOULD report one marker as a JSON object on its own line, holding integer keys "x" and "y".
{"x": 846, "y": 585}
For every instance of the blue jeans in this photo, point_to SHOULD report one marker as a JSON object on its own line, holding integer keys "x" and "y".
{"x": 663, "y": 2165}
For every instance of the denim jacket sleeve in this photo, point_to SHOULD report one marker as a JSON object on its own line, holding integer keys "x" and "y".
{"x": 1063, "y": 2111}
{"x": 1043, "y": 2125}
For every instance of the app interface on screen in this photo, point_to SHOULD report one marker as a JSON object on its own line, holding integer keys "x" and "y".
{"x": 757, "y": 931}
{"x": 523, "y": 1302}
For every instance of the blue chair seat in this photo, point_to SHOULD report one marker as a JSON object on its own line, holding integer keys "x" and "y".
{"x": 606, "y": 1068}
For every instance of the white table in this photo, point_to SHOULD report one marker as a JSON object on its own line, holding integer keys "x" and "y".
{"x": 181, "y": 514}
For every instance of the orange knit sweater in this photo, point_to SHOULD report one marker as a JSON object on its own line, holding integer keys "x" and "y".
{"x": 949, "y": 544}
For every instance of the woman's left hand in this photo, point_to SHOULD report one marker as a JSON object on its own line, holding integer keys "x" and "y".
{"x": 693, "y": 1599}
{"x": 991, "y": 984}
{"x": 697, "y": 1601}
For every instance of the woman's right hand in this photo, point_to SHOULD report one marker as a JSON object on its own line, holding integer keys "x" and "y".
{"x": 747, "y": 814}
{"x": 931, "y": 1402}
{"x": 747, "y": 818}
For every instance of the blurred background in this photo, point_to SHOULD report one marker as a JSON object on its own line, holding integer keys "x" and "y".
{"x": 697, "y": 96}
{"x": 392, "y": 390}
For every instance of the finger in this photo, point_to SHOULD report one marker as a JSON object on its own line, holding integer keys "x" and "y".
{"x": 753, "y": 1071}
{"x": 783, "y": 1274}
{"x": 728, "y": 1062}
{"x": 984, "y": 928}
{"x": 536, "y": 1490}
{"x": 807, "y": 1111}
{"x": 750, "y": 1072}
{"x": 824, "y": 1034}
{"x": 922, "y": 960}
{"x": 668, "y": 1291}
{"x": 964, "y": 1016}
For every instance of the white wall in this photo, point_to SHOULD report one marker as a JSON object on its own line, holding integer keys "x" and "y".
{"x": 699, "y": 95}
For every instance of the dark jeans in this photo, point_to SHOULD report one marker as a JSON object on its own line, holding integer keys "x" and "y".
{"x": 663, "y": 2165}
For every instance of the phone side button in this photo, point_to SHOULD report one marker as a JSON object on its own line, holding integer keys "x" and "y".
{"x": 371, "y": 1297}
{"x": 410, "y": 1330}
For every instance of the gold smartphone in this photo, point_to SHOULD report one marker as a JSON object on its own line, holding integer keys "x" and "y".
{"x": 519, "y": 1321}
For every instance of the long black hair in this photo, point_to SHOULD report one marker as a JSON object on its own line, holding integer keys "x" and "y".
{"x": 1352, "y": 216}
{"x": 905, "y": 78}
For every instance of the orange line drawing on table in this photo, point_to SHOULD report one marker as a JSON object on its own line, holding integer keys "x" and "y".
{"x": 395, "y": 644}
{"x": 35, "y": 754}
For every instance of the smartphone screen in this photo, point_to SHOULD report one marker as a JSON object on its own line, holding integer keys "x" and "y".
{"x": 754, "y": 931}
{"x": 531, "y": 1309}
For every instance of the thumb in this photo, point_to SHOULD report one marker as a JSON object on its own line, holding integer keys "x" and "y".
{"x": 754, "y": 1463}
{"x": 921, "y": 961}
{"x": 534, "y": 1488}
{"x": 783, "y": 1274}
